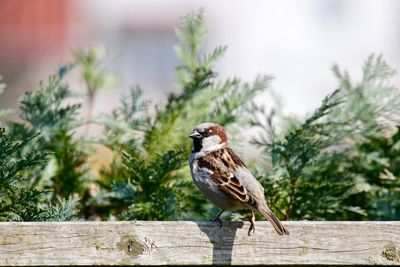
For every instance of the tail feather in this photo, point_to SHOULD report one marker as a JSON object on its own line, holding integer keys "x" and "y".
{"x": 280, "y": 229}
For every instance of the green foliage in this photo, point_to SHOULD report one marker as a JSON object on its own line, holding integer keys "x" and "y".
{"x": 375, "y": 164}
{"x": 127, "y": 122}
{"x": 91, "y": 69}
{"x": 331, "y": 165}
{"x": 44, "y": 109}
{"x": 339, "y": 163}
{"x": 95, "y": 77}
{"x": 48, "y": 111}
{"x": 19, "y": 199}
{"x": 3, "y": 112}
{"x": 149, "y": 193}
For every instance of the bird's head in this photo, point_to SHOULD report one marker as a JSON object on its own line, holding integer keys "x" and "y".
{"x": 208, "y": 137}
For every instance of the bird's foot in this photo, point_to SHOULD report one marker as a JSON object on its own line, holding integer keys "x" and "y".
{"x": 252, "y": 228}
{"x": 252, "y": 221}
{"x": 218, "y": 220}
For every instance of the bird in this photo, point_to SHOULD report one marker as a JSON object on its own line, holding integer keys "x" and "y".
{"x": 224, "y": 179}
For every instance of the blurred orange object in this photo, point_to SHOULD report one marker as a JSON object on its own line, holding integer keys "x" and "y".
{"x": 31, "y": 29}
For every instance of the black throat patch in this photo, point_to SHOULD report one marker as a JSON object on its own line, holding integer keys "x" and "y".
{"x": 197, "y": 145}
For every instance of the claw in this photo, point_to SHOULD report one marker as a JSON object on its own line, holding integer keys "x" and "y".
{"x": 252, "y": 221}
{"x": 217, "y": 219}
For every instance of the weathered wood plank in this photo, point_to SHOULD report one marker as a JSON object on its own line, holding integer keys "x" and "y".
{"x": 198, "y": 243}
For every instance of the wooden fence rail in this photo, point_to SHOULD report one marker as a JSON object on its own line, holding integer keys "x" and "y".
{"x": 198, "y": 243}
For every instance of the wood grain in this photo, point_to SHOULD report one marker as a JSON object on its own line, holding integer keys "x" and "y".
{"x": 198, "y": 243}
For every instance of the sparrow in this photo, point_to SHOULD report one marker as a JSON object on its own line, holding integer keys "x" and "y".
{"x": 223, "y": 177}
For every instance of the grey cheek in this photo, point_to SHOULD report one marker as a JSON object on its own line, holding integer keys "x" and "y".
{"x": 211, "y": 141}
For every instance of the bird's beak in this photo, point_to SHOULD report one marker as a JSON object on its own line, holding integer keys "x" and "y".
{"x": 195, "y": 134}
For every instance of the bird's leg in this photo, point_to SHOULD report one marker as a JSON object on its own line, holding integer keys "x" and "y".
{"x": 252, "y": 221}
{"x": 217, "y": 219}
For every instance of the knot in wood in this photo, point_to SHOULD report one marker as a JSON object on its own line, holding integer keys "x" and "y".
{"x": 391, "y": 252}
{"x": 132, "y": 246}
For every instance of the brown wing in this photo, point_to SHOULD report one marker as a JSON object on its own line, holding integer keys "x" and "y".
{"x": 222, "y": 163}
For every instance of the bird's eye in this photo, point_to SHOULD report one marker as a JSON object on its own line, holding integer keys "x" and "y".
{"x": 208, "y": 133}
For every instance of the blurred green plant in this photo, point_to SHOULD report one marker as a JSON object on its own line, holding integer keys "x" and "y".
{"x": 93, "y": 73}
{"x": 340, "y": 163}
{"x": 49, "y": 113}
{"x": 19, "y": 199}
{"x": 3, "y": 112}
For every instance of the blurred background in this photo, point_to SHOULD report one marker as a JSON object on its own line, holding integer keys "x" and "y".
{"x": 295, "y": 41}
{"x": 342, "y": 163}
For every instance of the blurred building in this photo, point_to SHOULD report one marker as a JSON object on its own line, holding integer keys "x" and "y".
{"x": 31, "y": 33}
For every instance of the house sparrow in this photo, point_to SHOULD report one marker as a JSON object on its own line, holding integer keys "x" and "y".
{"x": 223, "y": 177}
